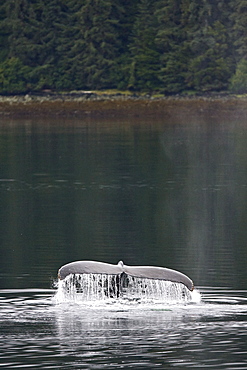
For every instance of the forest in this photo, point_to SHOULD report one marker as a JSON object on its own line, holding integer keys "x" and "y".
{"x": 165, "y": 46}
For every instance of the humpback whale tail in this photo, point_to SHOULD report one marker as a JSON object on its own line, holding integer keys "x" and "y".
{"x": 121, "y": 270}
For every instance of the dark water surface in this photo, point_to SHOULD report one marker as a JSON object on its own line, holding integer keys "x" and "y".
{"x": 166, "y": 192}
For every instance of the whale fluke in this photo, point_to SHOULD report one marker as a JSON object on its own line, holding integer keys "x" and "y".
{"x": 149, "y": 272}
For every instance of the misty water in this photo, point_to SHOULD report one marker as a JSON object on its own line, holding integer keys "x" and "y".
{"x": 165, "y": 191}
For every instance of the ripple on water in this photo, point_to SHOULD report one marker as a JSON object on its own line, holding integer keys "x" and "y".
{"x": 35, "y": 332}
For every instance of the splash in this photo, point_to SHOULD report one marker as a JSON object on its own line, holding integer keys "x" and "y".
{"x": 103, "y": 287}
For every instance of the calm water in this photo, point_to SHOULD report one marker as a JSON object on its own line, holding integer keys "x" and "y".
{"x": 168, "y": 192}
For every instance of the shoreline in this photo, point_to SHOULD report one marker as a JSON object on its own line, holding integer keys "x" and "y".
{"x": 91, "y": 103}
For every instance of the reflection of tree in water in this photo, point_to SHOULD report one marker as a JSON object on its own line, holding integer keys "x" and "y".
{"x": 116, "y": 193}
{"x": 205, "y": 202}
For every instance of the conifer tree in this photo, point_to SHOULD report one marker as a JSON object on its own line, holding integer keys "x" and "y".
{"x": 171, "y": 45}
{"x": 21, "y": 20}
{"x": 238, "y": 83}
{"x": 34, "y": 38}
{"x": 145, "y": 59}
{"x": 14, "y": 76}
{"x": 127, "y": 18}
{"x": 171, "y": 37}
{"x": 4, "y": 32}
{"x": 211, "y": 61}
{"x": 70, "y": 48}
{"x": 239, "y": 79}
{"x": 49, "y": 38}
{"x": 96, "y": 45}
{"x": 239, "y": 17}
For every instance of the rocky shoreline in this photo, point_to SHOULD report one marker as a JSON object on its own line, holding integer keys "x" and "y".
{"x": 81, "y": 103}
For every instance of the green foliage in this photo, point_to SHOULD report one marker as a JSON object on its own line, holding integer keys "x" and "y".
{"x": 14, "y": 77}
{"x": 210, "y": 42}
{"x": 170, "y": 38}
{"x": 96, "y": 45}
{"x": 239, "y": 28}
{"x": 210, "y": 66}
{"x": 238, "y": 82}
{"x": 145, "y": 45}
{"x": 90, "y": 45}
{"x": 4, "y": 32}
{"x": 144, "y": 62}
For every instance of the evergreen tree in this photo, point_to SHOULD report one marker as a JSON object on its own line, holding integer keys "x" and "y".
{"x": 171, "y": 45}
{"x": 171, "y": 37}
{"x": 239, "y": 79}
{"x": 22, "y": 22}
{"x": 34, "y": 38}
{"x": 239, "y": 18}
{"x": 96, "y": 45}
{"x": 127, "y": 18}
{"x": 4, "y": 32}
{"x": 211, "y": 62}
{"x": 15, "y": 74}
{"x": 50, "y": 14}
{"x": 14, "y": 77}
{"x": 145, "y": 62}
{"x": 70, "y": 48}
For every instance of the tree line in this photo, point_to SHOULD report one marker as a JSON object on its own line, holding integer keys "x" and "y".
{"x": 170, "y": 46}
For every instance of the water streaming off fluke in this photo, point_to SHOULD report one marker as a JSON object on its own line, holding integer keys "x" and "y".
{"x": 103, "y": 287}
